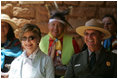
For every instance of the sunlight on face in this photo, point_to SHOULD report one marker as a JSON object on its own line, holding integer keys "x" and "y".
{"x": 29, "y": 42}
{"x": 56, "y": 28}
{"x": 92, "y": 38}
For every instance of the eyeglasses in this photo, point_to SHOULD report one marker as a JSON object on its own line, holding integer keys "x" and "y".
{"x": 30, "y": 38}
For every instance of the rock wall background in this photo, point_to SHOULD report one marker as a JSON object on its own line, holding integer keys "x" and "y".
{"x": 37, "y": 12}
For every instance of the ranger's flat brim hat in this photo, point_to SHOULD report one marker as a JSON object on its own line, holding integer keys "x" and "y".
{"x": 6, "y": 18}
{"x": 95, "y": 25}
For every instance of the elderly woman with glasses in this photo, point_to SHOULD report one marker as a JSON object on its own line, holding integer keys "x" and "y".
{"x": 32, "y": 63}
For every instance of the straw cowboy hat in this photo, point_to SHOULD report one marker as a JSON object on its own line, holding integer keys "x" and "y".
{"x": 94, "y": 24}
{"x": 6, "y": 18}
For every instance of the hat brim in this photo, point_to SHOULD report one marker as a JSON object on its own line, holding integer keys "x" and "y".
{"x": 13, "y": 25}
{"x": 80, "y": 30}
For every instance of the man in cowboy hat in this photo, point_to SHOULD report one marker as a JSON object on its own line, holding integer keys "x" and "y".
{"x": 95, "y": 61}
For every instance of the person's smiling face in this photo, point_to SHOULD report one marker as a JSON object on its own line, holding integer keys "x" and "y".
{"x": 56, "y": 28}
{"x": 92, "y": 38}
{"x": 29, "y": 42}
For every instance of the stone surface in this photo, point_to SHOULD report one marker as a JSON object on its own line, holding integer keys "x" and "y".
{"x": 44, "y": 27}
{"x": 52, "y": 2}
{"x": 9, "y": 2}
{"x": 31, "y": 2}
{"x": 111, "y": 3}
{"x": 84, "y": 11}
{"x": 23, "y": 12}
{"x": 91, "y": 3}
{"x": 77, "y": 22}
{"x": 36, "y": 12}
{"x": 20, "y": 22}
{"x": 7, "y": 9}
{"x": 41, "y": 14}
{"x": 73, "y": 3}
{"x": 104, "y": 11}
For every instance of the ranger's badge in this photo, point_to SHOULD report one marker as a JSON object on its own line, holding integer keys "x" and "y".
{"x": 108, "y": 63}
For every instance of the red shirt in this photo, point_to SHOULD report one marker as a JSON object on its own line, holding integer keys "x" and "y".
{"x": 75, "y": 45}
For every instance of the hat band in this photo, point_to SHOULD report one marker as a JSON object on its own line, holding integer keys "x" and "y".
{"x": 52, "y": 20}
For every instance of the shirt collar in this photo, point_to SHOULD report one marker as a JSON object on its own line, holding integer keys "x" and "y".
{"x": 97, "y": 53}
{"x": 32, "y": 56}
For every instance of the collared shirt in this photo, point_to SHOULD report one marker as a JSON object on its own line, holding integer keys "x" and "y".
{"x": 27, "y": 63}
{"x": 32, "y": 56}
{"x": 96, "y": 52}
{"x": 37, "y": 65}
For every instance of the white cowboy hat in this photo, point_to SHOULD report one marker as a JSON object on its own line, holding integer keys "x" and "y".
{"x": 6, "y": 18}
{"x": 94, "y": 24}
